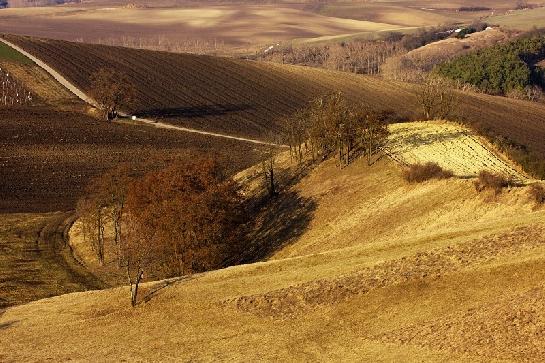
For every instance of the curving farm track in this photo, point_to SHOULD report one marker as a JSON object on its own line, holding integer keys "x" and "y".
{"x": 84, "y": 97}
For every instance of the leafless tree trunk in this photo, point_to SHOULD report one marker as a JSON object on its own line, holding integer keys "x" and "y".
{"x": 134, "y": 284}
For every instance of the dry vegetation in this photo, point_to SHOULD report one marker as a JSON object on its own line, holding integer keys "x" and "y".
{"x": 418, "y": 173}
{"x": 493, "y": 181}
{"x": 200, "y": 92}
{"x": 355, "y": 263}
{"x": 410, "y": 66}
{"x": 368, "y": 280}
{"x": 453, "y": 147}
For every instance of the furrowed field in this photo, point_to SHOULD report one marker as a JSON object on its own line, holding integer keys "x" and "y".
{"x": 251, "y": 98}
{"x": 47, "y": 157}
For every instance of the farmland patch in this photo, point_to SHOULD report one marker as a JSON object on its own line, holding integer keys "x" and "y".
{"x": 451, "y": 146}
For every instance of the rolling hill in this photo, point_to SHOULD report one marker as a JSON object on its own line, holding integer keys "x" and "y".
{"x": 357, "y": 264}
{"x": 248, "y": 98}
{"x": 383, "y": 271}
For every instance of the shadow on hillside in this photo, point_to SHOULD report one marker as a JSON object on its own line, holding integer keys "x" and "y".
{"x": 157, "y": 288}
{"x": 412, "y": 140}
{"x": 278, "y": 221}
{"x": 6, "y": 325}
{"x": 194, "y": 111}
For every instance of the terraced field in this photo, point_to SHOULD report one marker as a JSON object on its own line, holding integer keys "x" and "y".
{"x": 452, "y": 146}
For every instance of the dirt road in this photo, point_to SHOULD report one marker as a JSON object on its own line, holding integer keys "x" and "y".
{"x": 84, "y": 97}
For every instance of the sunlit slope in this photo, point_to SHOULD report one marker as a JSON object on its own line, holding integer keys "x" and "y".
{"x": 452, "y": 146}
{"x": 382, "y": 271}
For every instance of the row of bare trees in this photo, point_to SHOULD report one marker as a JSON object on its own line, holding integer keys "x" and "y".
{"x": 210, "y": 46}
{"x": 334, "y": 126}
{"x": 364, "y": 57}
{"x": 175, "y": 221}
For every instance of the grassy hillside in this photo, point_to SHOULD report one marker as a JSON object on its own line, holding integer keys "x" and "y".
{"x": 47, "y": 156}
{"x": 35, "y": 262}
{"x": 521, "y": 19}
{"x": 8, "y": 54}
{"x": 385, "y": 272}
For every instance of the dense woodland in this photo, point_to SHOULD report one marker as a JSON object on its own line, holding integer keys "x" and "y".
{"x": 503, "y": 68}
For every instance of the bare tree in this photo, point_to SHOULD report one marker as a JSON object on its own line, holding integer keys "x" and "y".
{"x": 111, "y": 90}
{"x": 92, "y": 214}
{"x": 268, "y": 164}
{"x": 437, "y": 98}
{"x": 372, "y": 130}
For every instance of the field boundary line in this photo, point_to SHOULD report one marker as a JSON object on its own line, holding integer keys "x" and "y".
{"x": 85, "y": 98}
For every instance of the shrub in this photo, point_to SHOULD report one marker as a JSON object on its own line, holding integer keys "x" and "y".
{"x": 493, "y": 181}
{"x": 464, "y": 32}
{"x": 417, "y": 173}
{"x": 529, "y": 93}
{"x": 537, "y": 193}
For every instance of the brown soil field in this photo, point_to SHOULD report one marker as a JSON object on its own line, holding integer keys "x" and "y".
{"x": 47, "y": 156}
{"x": 250, "y": 98}
{"x": 212, "y": 93}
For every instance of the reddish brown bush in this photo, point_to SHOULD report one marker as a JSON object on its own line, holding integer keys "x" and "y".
{"x": 417, "y": 173}
{"x": 492, "y": 181}
{"x": 537, "y": 193}
{"x": 182, "y": 219}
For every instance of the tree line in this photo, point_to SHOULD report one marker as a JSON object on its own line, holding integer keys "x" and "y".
{"x": 356, "y": 56}
{"x": 332, "y": 126}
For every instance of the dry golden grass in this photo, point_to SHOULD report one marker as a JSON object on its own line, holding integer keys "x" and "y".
{"x": 452, "y": 146}
{"x": 384, "y": 272}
